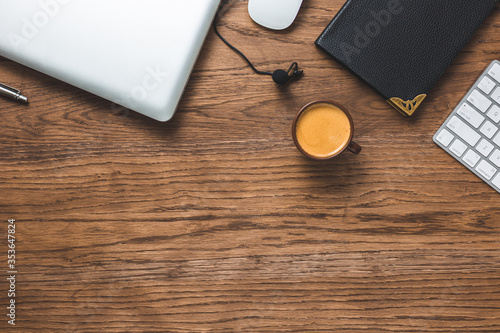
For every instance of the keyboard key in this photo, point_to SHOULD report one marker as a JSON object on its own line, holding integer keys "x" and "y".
{"x": 458, "y": 148}
{"x": 445, "y": 137}
{"x": 486, "y": 170}
{"x": 481, "y": 102}
{"x": 464, "y": 131}
{"x": 485, "y": 147}
{"x": 496, "y": 95}
{"x": 495, "y": 157}
{"x": 494, "y": 113}
{"x": 495, "y": 72}
{"x": 471, "y": 158}
{"x": 489, "y": 129}
{"x": 496, "y": 181}
{"x": 472, "y": 116}
{"x": 486, "y": 85}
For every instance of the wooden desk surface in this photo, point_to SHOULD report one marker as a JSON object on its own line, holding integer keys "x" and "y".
{"x": 214, "y": 222}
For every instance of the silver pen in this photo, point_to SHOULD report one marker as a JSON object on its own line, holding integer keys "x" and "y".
{"x": 12, "y": 93}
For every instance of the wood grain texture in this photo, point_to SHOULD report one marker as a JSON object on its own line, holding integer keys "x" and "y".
{"x": 214, "y": 222}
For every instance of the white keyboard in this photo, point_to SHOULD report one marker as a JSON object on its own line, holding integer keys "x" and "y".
{"x": 471, "y": 134}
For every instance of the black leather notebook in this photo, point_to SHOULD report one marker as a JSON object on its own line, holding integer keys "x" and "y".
{"x": 402, "y": 47}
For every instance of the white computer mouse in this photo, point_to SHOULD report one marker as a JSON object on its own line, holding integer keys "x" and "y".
{"x": 274, "y": 14}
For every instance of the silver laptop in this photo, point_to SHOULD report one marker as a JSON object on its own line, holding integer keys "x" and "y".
{"x": 136, "y": 53}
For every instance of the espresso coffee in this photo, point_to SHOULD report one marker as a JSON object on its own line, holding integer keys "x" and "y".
{"x": 323, "y": 130}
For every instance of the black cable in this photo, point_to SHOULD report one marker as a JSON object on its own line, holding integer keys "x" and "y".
{"x": 230, "y": 45}
{"x": 280, "y": 76}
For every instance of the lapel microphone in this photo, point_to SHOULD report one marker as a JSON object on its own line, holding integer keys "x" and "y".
{"x": 280, "y": 76}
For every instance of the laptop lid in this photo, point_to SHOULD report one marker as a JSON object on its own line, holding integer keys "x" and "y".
{"x": 138, "y": 54}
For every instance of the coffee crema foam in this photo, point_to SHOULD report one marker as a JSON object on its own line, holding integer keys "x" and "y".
{"x": 323, "y": 130}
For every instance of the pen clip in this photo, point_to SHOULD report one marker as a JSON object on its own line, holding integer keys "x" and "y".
{"x": 14, "y": 90}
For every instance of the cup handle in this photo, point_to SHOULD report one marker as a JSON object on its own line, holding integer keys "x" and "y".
{"x": 354, "y": 148}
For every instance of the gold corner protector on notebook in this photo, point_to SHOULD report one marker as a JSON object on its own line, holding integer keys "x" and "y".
{"x": 407, "y": 108}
